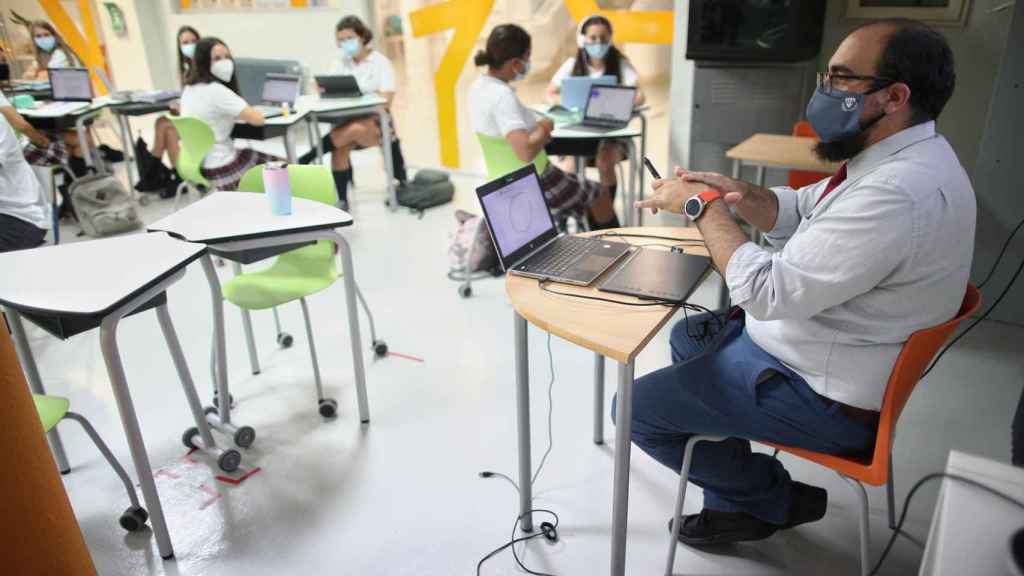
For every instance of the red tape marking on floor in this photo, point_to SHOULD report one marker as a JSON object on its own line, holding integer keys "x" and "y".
{"x": 232, "y": 481}
{"x": 216, "y": 496}
{"x": 406, "y": 356}
{"x": 188, "y": 456}
{"x": 165, "y": 472}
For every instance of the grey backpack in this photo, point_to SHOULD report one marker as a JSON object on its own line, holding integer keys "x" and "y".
{"x": 103, "y": 205}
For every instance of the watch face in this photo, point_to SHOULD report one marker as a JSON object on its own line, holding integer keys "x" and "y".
{"x": 692, "y": 207}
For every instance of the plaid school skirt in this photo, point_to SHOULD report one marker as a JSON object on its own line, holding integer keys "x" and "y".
{"x": 567, "y": 197}
{"x": 56, "y": 153}
{"x": 227, "y": 177}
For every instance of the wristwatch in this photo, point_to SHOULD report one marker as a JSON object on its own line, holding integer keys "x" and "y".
{"x": 694, "y": 207}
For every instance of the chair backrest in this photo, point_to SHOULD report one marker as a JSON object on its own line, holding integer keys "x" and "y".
{"x": 196, "y": 141}
{"x": 917, "y": 353}
{"x": 801, "y": 178}
{"x": 311, "y": 182}
{"x": 501, "y": 159}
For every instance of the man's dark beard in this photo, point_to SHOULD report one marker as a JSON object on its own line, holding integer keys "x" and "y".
{"x": 839, "y": 150}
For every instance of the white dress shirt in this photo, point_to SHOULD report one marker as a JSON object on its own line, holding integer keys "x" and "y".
{"x": 887, "y": 253}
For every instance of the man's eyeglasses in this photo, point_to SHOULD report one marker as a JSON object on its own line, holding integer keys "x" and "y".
{"x": 827, "y": 80}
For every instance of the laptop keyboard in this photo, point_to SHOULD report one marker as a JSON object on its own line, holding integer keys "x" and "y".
{"x": 560, "y": 256}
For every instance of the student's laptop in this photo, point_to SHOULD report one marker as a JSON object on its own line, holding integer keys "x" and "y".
{"x": 278, "y": 89}
{"x": 525, "y": 237}
{"x": 609, "y": 108}
{"x": 338, "y": 86}
{"x": 72, "y": 91}
{"x": 576, "y": 89}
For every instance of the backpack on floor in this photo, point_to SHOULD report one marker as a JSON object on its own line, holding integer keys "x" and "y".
{"x": 103, "y": 205}
{"x": 427, "y": 189}
{"x": 471, "y": 242}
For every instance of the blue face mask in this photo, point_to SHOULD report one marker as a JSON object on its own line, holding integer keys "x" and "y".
{"x": 349, "y": 48}
{"x": 836, "y": 116}
{"x": 188, "y": 50}
{"x": 597, "y": 51}
{"x": 46, "y": 43}
{"x": 520, "y": 76}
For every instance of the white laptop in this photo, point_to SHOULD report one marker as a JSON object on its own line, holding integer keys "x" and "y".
{"x": 72, "y": 92}
{"x": 278, "y": 89}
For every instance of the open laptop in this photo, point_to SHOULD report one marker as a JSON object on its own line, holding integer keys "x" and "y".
{"x": 278, "y": 89}
{"x": 338, "y": 86}
{"x": 609, "y": 108}
{"x": 525, "y": 237}
{"x": 575, "y": 90}
{"x": 72, "y": 91}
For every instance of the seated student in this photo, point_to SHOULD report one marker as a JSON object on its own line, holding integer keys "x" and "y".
{"x": 861, "y": 261}
{"x": 596, "y": 57}
{"x": 18, "y": 122}
{"x": 24, "y": 217}
{"x": 165, "y": 137}
{"x": 211, "y": 95}
{"x": 496, "y": 111}
{"x": 51, "y": 51}
{"x": 374, "y": 74}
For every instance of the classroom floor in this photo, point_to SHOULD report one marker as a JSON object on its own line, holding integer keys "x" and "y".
{"x": 402, "y": 495}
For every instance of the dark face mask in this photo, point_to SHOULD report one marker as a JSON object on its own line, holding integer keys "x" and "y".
{"x": 835, "y": 117}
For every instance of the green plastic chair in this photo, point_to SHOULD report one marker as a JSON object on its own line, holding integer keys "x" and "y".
{"x": 52, "y": 410}
{"x": 501, "y": 159}
{"x": 296, "y": 274}
{"x": 196, "y": 141}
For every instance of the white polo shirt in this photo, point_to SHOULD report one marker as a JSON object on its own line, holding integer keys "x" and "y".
{"x": 496, "y": 110}
{"x": 58, "y": 59}
{"x": 374, "y": 74}
{"x": 21, "y": 195}
{"x": 628, "y": 72}
{"x": 215, "y": 104}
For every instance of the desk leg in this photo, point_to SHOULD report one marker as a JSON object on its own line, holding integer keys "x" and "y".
{"x": 318, "y": 140}
{"x": 309, "y": 132}
{"x": 220, "y": 356}
{"x": 187, "y": 384}
{"x": 598, "y": 398}
{"x": 289, "y": 146}
{"x": 130, "y": 422}
{"x": 620, "y": 492}
{"x": 640, "y": 169}
{"x": 35, "y": 383}
{"x": 737, "y": 168}
{"x": 629, "y": 211}
{"x": 389, "y": 168}
{"x": 129, "y": 153}
{"x": 83, "y": 142}
{"x": 522, "y": 365}
{"x": 348, "y": 270}
{"x": 760, "y": 173}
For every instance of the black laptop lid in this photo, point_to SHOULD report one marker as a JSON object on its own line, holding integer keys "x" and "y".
{"x": 70, "y": 84}
{"x": 610, "y": 105}
{"x": 517, "y": 214}
{"x": 338, "y": 85}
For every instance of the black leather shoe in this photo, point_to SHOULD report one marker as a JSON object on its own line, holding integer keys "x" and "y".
{"x": 807, "y": 504}
{"x": 712, "y": 527}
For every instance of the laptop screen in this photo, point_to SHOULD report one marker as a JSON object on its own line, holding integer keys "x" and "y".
{"x": 279, "y": 88}
{"x": 516, "y": 213}
{"x": 70, "y": 84}
{"x": 610, "y": 104}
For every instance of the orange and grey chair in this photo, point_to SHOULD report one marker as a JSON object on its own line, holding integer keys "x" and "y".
{"x": 876, "y": 468}
{"x": 801, "y": 178}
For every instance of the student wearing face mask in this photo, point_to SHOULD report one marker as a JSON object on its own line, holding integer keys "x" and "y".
{"x": 157, "y": 176}
{"x": 497, "y": 112}
{"x": 375, "y": 75}
{"x": 596, "y": 56}
{"x": 50, "y": 51}
{"x": 211, "y": 95}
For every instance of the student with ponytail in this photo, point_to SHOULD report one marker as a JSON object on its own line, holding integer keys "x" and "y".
{"x": 497, "y": 112}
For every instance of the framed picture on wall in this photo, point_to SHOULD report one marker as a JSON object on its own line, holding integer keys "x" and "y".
{"x": 941, "y": 12}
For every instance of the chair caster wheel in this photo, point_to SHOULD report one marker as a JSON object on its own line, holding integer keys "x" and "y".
{"x": 188, "y": 438}
{"x": 465, "y": 291}
{"x": 245, "y": 436}
{"x": 143, "y": 200}
{"x": 380, "y": 349}
{"x": 134, "y": 519}
{"x": 328, "y": 408}
{"x": 231, "y": 399}
{"x": 210, "y": 410}
{"x": 229, "y": 461}
{"x": 284, "y": 340}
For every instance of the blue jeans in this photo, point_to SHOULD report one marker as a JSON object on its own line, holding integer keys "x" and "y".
{"x": 720, "y": 383}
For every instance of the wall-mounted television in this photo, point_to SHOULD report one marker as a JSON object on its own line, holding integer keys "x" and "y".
{"x": 754, "y": 30}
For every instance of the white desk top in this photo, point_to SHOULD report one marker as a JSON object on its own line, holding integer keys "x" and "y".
{"x": 570, "y": 134}
{"x": 313, "y": 103}
{"x": 288, "y": 120}
{"x": 90, "y": 278}
{"x": 97, "y": 104}
{"x": 233, "y": 216}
